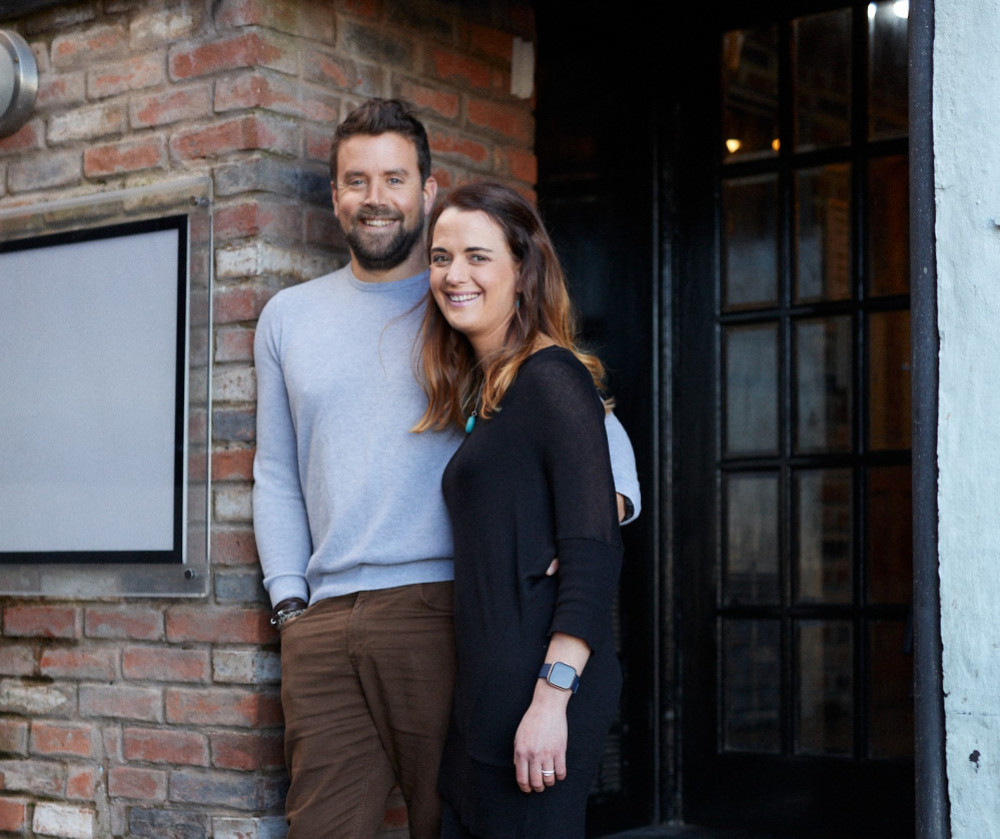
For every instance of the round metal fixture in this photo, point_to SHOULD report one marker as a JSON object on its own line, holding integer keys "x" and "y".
{"x": 18, "y": 82}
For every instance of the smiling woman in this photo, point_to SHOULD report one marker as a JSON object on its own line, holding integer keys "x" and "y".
{"x": 530, "y": 482}
{"x": 474, "y": 278}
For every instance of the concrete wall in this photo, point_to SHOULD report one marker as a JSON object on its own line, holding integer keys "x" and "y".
{"x": 967, "y": 186}
{"x": 153, "y": 718}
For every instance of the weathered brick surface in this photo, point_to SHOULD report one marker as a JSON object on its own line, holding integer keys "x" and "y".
{"x": 248, "y": 751}
{"x": 176, "y": 747}
{"x": 13, "y": 736}
{"x": 40, "y": 621}
{"x": 139, "y": 623}
{"x": 78, "y": 663}
{"x": 67, "y": 739}
{"x": 125, "y": 156}
{"x": 165, "y": 664}
{"x": 63, "y": 820}
{"x": 223, "y": 706}
{"x": 141, "y": 717}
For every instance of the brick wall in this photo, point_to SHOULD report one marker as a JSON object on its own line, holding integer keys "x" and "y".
{"x": 154, "y": 718}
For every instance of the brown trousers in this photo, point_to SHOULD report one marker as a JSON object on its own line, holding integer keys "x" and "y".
{"x": 366, "y": 689}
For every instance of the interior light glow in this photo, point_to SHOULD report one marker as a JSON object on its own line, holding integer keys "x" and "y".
{"x": 776, "y": 144}
{"x": 733, "y": 145}
{"x": 872, "y": 11}
{"x": 901, "y": 8}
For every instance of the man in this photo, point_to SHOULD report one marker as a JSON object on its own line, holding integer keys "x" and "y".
{"x": 348, "y": 512}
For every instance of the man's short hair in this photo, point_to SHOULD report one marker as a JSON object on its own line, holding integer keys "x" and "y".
{"x": 382, "y": 116}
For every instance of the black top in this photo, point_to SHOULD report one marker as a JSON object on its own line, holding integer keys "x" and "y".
{"x": 531, "y": 483}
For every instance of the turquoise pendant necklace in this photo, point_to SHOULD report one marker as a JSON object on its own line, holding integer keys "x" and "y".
{"x": 470, "y": 423}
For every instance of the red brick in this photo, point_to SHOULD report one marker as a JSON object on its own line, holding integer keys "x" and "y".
{"x": 145, "y": 70}
{"x": 491, "y": 42}
{"x": 247, "y": 751}
{"x": 164, "y": 664}
{"x": 218, "y": 706}
{"x": 89, "y": 45}
{"x": 317, "y": 143}
{"x": 461, "y": 69}
{"x": 28, "y": 137}
{"x": 40, "y": 621}
{"x": 234, "y": 344}
{"x": 341, "y": 73}
{"x": 520, "y": 164}
{"x": 248, "y": 49}
{"x": 187, "y": 103}
{"x": 75, "y": 663}
{"x": 219, "y": 626}
{"x": 144, "y": 784}
{"x": 275, "y": 93}
{"x": 509, "y": 120}
{"x": 322, "y": 228}
{"x": 133, "y": 622}
{"x": 125, "y": 156}
{"x": 122, "y": 702}
{"x": 170, "y": 746}
{"x": 245, "y": 133}
{"x": 68, "y": 739}
{"x": 446, "y": 143}
{"x": 234, "y": 546}
{"x": 254, "y": 217}
{"x": 14, "y": 815}
{"x": 239, "y": 303}
{"x": 232, "y": 464}
{"x": 441, "y": 103}
{"x": 81, "y": 781}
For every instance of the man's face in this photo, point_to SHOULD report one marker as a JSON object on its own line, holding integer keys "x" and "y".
{"x": 379, "y": 200}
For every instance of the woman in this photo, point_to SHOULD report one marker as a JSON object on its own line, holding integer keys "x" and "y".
{"x": 538, "y": 679}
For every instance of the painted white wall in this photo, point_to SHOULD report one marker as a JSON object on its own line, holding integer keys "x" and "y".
{"x": 967, "y": 189}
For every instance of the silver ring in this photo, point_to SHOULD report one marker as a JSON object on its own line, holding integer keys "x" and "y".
{"x": 548, "y": 772}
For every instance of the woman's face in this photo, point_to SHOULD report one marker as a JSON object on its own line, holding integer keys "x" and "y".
{"x": 474, "y": 277}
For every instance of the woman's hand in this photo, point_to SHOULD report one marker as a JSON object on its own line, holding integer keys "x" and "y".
{"x": 540, "y": 741}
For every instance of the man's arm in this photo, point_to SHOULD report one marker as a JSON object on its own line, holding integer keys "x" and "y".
{"x": 281, "y": 526}
{"x": 623, "y": 467}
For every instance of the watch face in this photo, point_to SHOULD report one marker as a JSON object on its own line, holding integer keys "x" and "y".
{"x": 562, "y": 675}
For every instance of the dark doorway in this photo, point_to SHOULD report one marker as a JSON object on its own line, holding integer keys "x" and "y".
{"x": 727, "y": 187}
{"x": 793, "y": 477}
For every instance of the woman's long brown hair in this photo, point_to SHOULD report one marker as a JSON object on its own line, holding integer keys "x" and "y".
{"x": 448, "y": 369}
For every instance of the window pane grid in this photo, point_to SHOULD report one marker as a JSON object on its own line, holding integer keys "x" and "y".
{"x": 842, "y": 419}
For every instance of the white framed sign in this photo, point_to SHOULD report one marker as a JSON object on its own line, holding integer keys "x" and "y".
{"x": 104, "y": 394}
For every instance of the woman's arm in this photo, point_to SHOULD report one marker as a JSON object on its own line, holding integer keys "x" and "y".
{"x": 540, "y": 742}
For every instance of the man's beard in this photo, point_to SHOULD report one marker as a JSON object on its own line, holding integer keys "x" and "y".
{"x": 383, "y": 254}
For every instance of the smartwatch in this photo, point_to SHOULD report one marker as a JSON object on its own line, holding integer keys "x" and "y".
{"x": 560, "y": 676}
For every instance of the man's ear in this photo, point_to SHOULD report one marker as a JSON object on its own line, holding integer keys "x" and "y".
{"x": 430, "y": 193}
{"x": 333, "y": 193}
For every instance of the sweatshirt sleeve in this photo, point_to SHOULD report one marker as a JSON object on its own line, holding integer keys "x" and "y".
{"x": 281, "y": 526}
{"x": 577, "y": 463}
{"x": 623, "y": 465}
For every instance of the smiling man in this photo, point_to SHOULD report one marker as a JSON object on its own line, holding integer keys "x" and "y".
{"x": 348, "y": 512}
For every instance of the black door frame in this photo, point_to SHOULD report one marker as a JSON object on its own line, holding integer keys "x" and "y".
{"x": 933, "y": 821}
